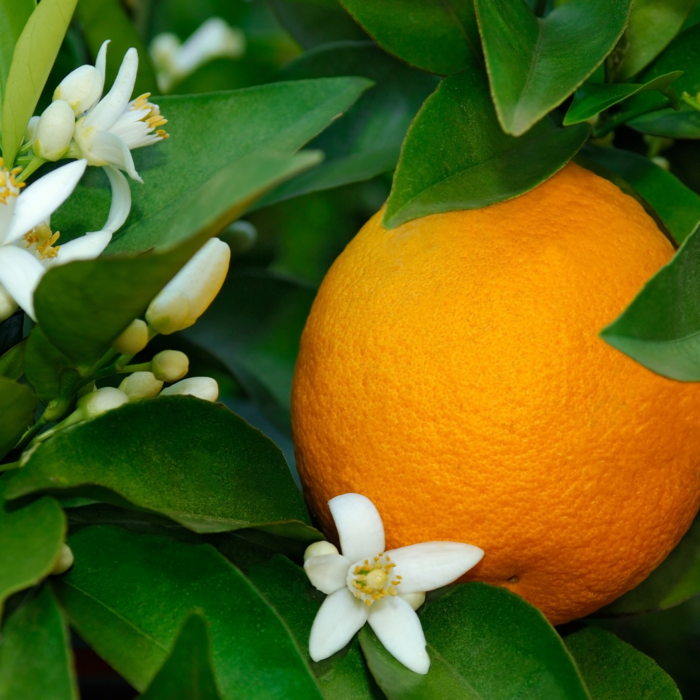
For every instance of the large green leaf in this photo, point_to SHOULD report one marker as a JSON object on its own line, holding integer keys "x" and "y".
{"x": 535, "y": 64}
{"x": 187, "y": 673}
{"x": 661, "y": 327}
{"x": 652, "y": 25}
{"x": 367, "y": 140}
{"x": 614, "y": 670}
{"x": 677, "y": 205}
{"x": 47, "y": 369}
{"x": 439, "y": 36}
{"x": 30, "y": 541}
{"x": 35, "y": 659}
{"x": 12, "y": 362}
{"x": 35, "y": 53}
{"x": 17, "y": 407}
{"x": 194, "y": 461}
{"x": 456, "y": 157}
{"x": 13, "y": 16}
{"x": 132, "y": 619}
{"x": 484, "y": 642}
{"x": 83, "y": 306}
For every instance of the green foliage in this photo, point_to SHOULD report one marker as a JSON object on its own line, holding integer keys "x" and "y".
{"x": 17, "y": 406}
{"x": 12, "y": 362}
{"x": 13, "y": 17}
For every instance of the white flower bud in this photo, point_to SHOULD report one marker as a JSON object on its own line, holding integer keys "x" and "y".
{"x": 80, "y": 89}
{"x": 213, "y": 39}
{"x": 170, "y": 365}
{"x": 204, "y": 388}
{"x": 141, "y": 385}
{"x": 63, "y": 562}
{"x": 133, "y": 339}
{"x": 415, "y": 600}
{"x": 188, "y": 295}
{"x": 99, "y": 401}
{"x": 319, "y": 549}
{"x": 30, "y": 131}
{"x": 54, "y": 131}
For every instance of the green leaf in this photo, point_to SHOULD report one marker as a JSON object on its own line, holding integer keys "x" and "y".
{"x": 17, "y": 406}
{"x": 132, "y": 620}
{"x": 455, "y": 155}
{"x": 35, "y": 658}
{"x": 674, "y": 581}
{"x": 47, "y": 369}
{"x": 30, "y": 541}
{"x": 187, "y": 673}
{"x": 106, "y": 19}
{"x": 213, "y": 473}
{"x": 34, "y": 55}
{"x": 661, "y": 327}
{"x": 13, "y": 16}
{"x": 83, "y": 306}
{"x": 652, "y": 25}
{"x": 367, "y": 140}
{"x": 440, "y": 37}
{"x": 677, "y": 205}
{"x": 592, "y": 98}
{"x": 535, "y": 64}
{"x": 12, "y": 362}
{"x": 614, "y": 670}
{"x": 486, "y": 641}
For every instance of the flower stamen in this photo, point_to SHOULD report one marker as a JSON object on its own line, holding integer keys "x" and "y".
{"x": 9, "y": 187}
{"x": 153, "y": 118}
{"x": 41, "y": 240}
{"x": 370, "y": 581}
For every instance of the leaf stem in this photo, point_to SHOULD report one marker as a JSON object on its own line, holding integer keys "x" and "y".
{"x": 35, "y": 163}
{"x": 623, "y": 117}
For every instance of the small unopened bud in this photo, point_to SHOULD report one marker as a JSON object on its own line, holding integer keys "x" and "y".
{"x": 54, "y": 131}
{"x": 170, "y": 365}
{"x": 240, "y": 236}
{"x": 415, "y": 600}
{"x": 188, "y": 295}
{"x": 662, "y": 163}
{"x": 63, "y": 562}
{"x": 141, "y": 385}
{"x": 133, "y": 339}
{"x": 318, "y": 549}
{"x": 98, "y": 402}
{"x": 80, "y": 89}
{"x": 204, "y": 388}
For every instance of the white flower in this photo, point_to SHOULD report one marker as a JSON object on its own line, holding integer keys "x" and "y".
{"x": 54, "y": 131}
{"x": 204, "y": 388}
{"x": 27, "y": 244}
{"x": 367, "y": 584}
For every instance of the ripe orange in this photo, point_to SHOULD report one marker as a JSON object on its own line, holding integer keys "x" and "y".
{"x": 451, "y": 371}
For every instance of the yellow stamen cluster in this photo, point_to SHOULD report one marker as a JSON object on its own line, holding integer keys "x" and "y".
{"x": 372, "y": 580}
{"x": 42, "y": 237}
{"x": 153, "y": 118}
{"x": 9, "y": 187}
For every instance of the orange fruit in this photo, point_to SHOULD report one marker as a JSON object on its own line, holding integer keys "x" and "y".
{"x": 451, "y": 371}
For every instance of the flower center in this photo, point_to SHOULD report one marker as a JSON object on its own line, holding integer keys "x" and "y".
{"x": 9, "y": 187}
{"x": 40, "y": 240}
{"x": 153, "y": 117}
{"x": 371, "y": 580}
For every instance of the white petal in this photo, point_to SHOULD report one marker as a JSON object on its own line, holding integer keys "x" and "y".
{"x": 327, "y": 572}
{"x": 86, "y": 247}
{"x": 359, "y": 525}
{"x": 43, "y": 197}
{"x": 7, "y": 304}
{"x": 101, "y": 62}
{"x": 121, "y": 199}
{"x": 399, "y": 630}
{"x": 20, "y": 273}
{"x": 105, "y": 113}
{"x": 111, "y": 150}
{"x": 7, "y": 212}
{"x": 430, "y": 565}
{"x": 340, "y": 616}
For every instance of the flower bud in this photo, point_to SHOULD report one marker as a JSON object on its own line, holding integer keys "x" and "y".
{"x": 415, "y": 600}
{"x": 99, "y": 401}
{"x": 141, "y": 385}
{"x": 170, "y": 365}
{"x": 80, "y": 89}
{"x": 54, "y": 131}
{"x": 63, "y": 562}
{"x": 318, "y": 549}
{"x": 187, "y": 296}
{"x": 204, "y": 388}
{"x": 133, "y": 339}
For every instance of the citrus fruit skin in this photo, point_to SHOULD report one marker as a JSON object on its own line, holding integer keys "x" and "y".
{"x": 451, "y": 371}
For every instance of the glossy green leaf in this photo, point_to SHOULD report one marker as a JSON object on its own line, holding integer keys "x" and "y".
{"x": 614, "y": 670}
{"x": 488, "y": 639}
{"x": 83, "y": 306}
{"x": 35, "y": 658}
{"x": 34, "y": 55}
{"x": 12, "y": 362}
{"x": 661, "y": 327}
{"x": 456, "y": 157}
{"x": 47, "y": 369}
{"x": 213, "y": 473}
{"x": 17, "y": 406}
{"x": 187, "y": 673}
{"x": 13, "y": 16}
{"x": 132, "y": 619}
{"x": 103, "y": 20}
{"x": 677, "y": 205}
{"x": 674, "y": 581}
{"x": 652, "y": 25}
{"x": 593, "y": 98}
{"x": 30, "y": 541}
{"x": 535, "y": 64}
{"x": 440, "y": 37}
{"x": 254, "y": 326}
{"x": 367, "y": 140}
